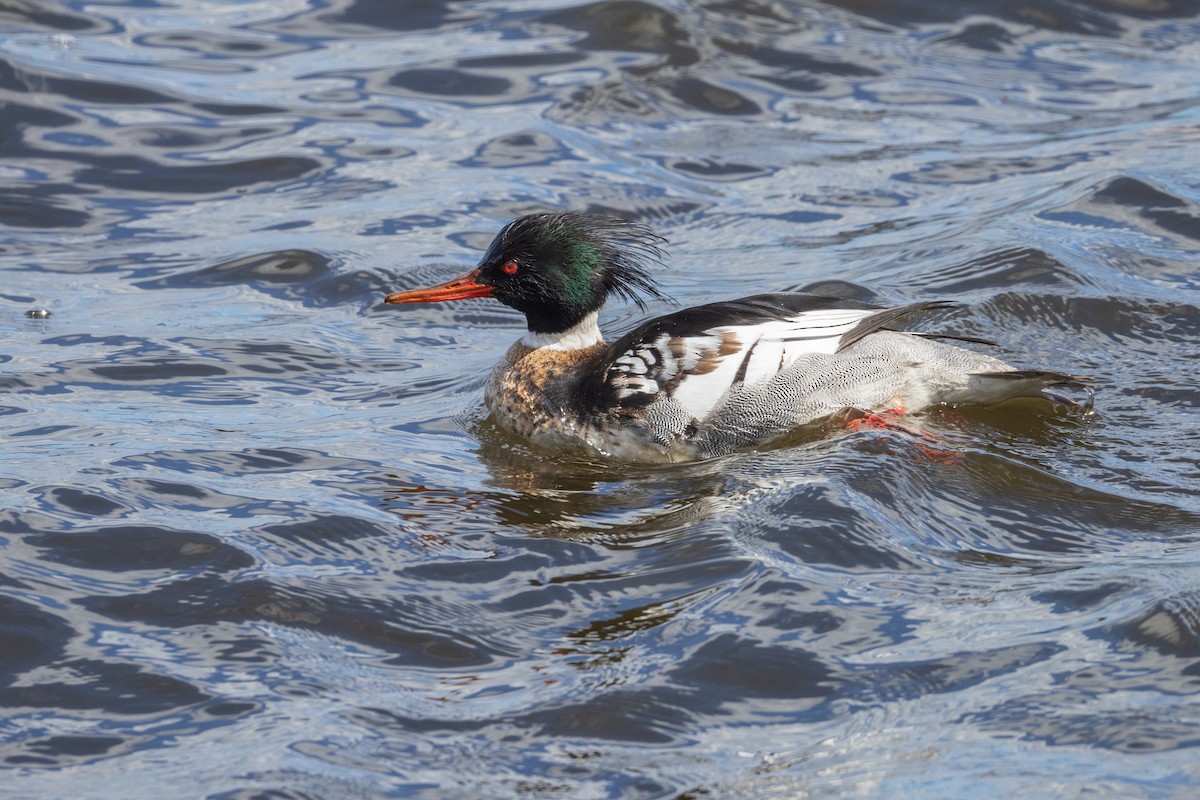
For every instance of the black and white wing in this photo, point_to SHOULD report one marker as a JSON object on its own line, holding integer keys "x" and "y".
{"x": 692, "y": 358}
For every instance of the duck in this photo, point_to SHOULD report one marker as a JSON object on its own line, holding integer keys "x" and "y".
{"x": 704, "y": 381}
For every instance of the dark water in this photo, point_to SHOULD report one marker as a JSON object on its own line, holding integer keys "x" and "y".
{"x": 259, "y": 541}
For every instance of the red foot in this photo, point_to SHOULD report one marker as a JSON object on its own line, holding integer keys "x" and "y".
{"x": 939, "y": 456}
{"x": 884, "y": 421}
{"x": 881, "y": 420}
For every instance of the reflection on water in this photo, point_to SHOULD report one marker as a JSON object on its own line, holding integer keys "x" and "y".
{"x": 260, "y": 542}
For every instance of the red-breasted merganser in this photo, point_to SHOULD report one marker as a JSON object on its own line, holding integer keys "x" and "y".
{"x": 703, "y": 381}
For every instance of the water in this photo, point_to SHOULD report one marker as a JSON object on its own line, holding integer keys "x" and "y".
{"x": 260, "y": 541}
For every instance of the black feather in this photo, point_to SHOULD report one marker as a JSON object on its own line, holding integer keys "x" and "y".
{"x": 956, "y": 337}
{"x": 885, "y": 317}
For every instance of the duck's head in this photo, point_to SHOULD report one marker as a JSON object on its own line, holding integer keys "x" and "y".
{"x": 557, "y": 269}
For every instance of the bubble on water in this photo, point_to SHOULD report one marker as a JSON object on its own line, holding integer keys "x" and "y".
{"x": 64, "y": 41}
{"x": 38, "y": 313}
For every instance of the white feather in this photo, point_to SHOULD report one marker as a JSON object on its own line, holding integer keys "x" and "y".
{"x": 584, "y": 334}
{"x": 773, "y": 347}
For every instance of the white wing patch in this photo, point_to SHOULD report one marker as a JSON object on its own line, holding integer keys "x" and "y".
{"x": 698, "y": 371}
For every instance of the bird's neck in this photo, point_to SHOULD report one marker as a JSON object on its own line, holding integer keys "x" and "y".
{"x": 583, "y": 334}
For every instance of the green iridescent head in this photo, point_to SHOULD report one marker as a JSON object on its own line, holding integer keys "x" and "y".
{"x": 558, "y": 268}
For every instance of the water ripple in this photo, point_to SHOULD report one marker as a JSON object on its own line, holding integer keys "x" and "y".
{"x": 261, "y": 540}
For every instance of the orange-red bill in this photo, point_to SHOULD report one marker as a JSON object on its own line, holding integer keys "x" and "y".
{"x": 457, "y": 289}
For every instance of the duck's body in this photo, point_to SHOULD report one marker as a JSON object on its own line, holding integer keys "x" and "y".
{"x": 703, "y": 381}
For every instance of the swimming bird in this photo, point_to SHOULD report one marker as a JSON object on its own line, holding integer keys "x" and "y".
{"x": 707, "y": 380}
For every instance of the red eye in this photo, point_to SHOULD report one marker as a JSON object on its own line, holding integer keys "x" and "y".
{"x": 510, "y": 267}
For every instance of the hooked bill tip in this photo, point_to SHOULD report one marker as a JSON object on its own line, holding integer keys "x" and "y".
{"x": 457, "y": 289}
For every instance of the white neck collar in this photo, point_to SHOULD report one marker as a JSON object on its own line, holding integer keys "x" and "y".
{"x": 584, "y": 334}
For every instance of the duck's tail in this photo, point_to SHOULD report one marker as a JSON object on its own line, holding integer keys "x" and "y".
{"x": 996, "y": 387}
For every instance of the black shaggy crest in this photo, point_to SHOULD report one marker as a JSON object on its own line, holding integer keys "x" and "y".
{"x": 570, "y": 263}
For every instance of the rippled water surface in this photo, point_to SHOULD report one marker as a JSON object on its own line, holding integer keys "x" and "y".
{"x": 260, "y": 540}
